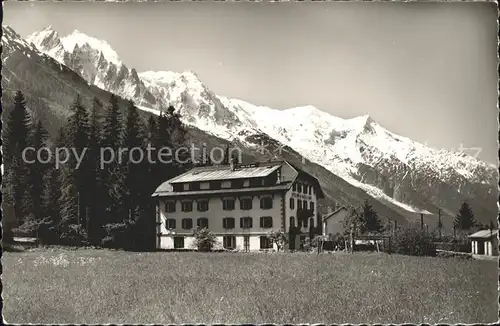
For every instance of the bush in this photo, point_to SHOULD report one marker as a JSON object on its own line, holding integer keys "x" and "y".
{"x": 118, "y": 235}
{"x": 338, "y": 241}
{"x": 204, "y": 239}
{"x": 415, "y": 242}
{"x": 74, "y": 235}
{"x": 278, "y": 237}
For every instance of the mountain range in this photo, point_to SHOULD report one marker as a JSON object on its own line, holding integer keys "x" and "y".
{"x": 354, "y": 159}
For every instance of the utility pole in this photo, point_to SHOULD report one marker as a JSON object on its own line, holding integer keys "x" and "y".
{"x": 78, "y": 207}
{"x": 440, "y": 225}
{"x": 87, "y": 219}
{"x": 352, "y": 237}
{"x": 422, "y": 221}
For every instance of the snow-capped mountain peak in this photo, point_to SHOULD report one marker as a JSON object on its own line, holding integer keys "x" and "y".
{"x": 79, "y": 38}
{"x": 359, "y": 150}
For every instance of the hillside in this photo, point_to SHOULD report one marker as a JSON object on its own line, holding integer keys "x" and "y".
{"x": 354, "y": 159}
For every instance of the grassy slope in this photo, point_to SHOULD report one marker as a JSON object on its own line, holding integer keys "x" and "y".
{"x": 116, "y": 287}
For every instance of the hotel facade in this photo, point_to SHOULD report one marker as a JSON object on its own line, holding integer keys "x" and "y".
{"x": 240, "y": 204}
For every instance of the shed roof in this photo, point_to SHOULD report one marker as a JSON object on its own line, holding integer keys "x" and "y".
{"x": 327, "y": 216}
{"x": 484, "y": 234}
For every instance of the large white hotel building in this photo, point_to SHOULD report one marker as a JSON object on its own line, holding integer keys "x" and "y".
{"x": 239, "y": 203}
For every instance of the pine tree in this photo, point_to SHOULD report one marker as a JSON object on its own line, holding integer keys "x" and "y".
{"x": 112, "y": 174}
{"x": 373, "y": 223}
{"x": 96, "y": 187}
{"x": 152, "y": 140}
{"x": 112, "y": 129}
{"x": 37, "y": 171}
{"x": 135, "y": 168}
{"x": 465, "y": 218}
{"x": 75, "y": 194}
{"x": 354, "y": 219}
{"x": 52, "y": 197}
{"x": 15, "y": 139}
{"x": 17, "y": 129}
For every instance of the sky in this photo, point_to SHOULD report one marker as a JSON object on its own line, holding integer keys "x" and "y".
{"x": 427, "y": 71}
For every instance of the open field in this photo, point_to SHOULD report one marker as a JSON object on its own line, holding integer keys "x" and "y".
{"x": 101, "y": 286}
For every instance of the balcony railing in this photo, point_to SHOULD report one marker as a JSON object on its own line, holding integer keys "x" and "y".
{"x": 304, "y": 213}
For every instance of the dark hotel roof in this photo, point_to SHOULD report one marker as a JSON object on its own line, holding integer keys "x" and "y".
{"x": 224, "y": 172}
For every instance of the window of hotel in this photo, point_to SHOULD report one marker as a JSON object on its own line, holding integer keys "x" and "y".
{"x": 178, "y": 242}
{"x": 177, "y": 187}
{"x": 265, "y": 242}
{"x": 304, "y": 189}
{"x": 215, "y": 185}
{"x": 266, "y": 222}
{"x": 294, "y": 187}
{"x": 170, "y": 223}
{"x": 202, "y": 205}
{"x": 266, "y": 203}
{"x": 202, "y": 222}
{"x": 170, "y": 206}
{"x": 310, "y": 189}
{"x": 187, "y": 223}
{"x": 186, "y": 186}
{"x": 292, "y": 221}
{"x": 299, "y": 187}
{"x": 229, "y": 242}
{"x": 292, "y": 203}
{"x": 306, "y": 222}
{"x": 245, "y": 222}
{"x": 299, "y": 223}
{"x": 311, "y": 206}
{"x": 228, "y": 223}
{"x": 312, "y": 222}
{"x": 246, "y": 203}
{"x": 195, "y": 186}
{"x": 236, "y": 184}
{"x": 187, "y": 206}
{"x": 255, "y": 182}
{"x": 304, "y": 204}
{"x": 299, "y": 204}
{"x": 228, "y": 204}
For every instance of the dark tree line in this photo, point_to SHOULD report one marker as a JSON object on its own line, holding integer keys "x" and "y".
{"x": 84, "y": 201}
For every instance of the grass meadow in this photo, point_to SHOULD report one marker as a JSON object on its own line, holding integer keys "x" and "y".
{"x": 104, "y": 286}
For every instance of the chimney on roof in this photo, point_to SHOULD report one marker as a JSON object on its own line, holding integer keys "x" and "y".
{"x": 232, "y": 163}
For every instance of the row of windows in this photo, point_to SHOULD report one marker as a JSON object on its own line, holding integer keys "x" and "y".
{"x": 301, "y": 204}
{"x": 305, "y": 189}
{"x": 302, "y": 223}
{"x": 227, "y": 205}
{"x": 227, "y": 223}
{"x": 229, "y": 242}
{"x": 217, "y": 185}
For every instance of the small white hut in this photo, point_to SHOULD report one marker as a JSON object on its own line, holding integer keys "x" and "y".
{"x": 485, "y": 242}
